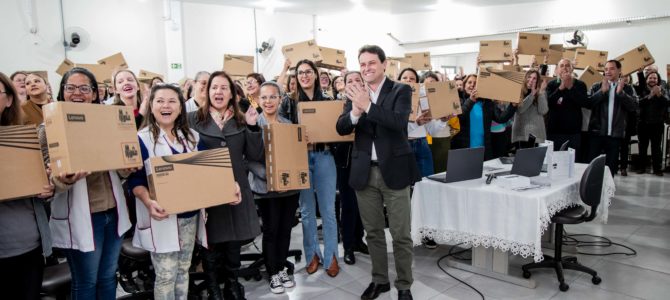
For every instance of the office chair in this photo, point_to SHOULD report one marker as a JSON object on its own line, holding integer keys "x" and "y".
{"x": 56, "y": 279}
{"x": 590, "y": 189}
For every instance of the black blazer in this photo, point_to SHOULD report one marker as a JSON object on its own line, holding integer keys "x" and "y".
{"x": 624, "y": 103}
{"x": 386, "y": 125}
{"x": 490, "y": 112}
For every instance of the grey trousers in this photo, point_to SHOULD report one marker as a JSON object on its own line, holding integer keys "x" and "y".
{"x": 371, "y": 201}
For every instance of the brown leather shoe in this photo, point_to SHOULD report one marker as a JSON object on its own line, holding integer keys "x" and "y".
{"x": 313, "y": 265}
{"x": 334, "y": 268}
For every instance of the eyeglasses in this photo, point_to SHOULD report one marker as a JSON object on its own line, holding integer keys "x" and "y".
{"x": 84, "y": 89}
{"x": 251, "y": 81}
{"x": 306, "y": 73}
{"x": 273, "y": 97}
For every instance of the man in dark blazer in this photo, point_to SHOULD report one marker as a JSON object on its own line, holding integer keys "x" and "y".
{"x": 610, "y": 102}
{"x": 382, "y": 167}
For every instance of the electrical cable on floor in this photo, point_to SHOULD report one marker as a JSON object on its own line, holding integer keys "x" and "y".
{"x": 454, "y": 254}
{"x": 571, "y": 240}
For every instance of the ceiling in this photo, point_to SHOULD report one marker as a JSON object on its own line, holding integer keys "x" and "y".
{"x": 325, "y": 7}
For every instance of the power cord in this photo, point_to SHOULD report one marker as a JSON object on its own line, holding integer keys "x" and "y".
{"x": 454, "y": 254}
{"x": 603, "y": 242}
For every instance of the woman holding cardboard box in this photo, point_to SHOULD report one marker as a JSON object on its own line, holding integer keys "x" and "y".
{"x": 323, "y": 177}
{"x": 476, "y": 119}
{"x": 25, "y": 238}
{"x": 221, "y": 124}
{"x": 89, "y": 215}
{"x": 169, "y": 238}
{"x": 277, "y": 208}
{"x": 529, "y": 117}
{"x": 37, "y": 96}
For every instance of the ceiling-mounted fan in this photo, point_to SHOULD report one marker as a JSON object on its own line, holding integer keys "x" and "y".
{"x": 576, "y": 39}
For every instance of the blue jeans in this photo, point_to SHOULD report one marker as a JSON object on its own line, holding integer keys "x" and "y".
{"x": 94, "y": 273}
{"x": 323, "y": 178}
{"x": 423, "y": 156}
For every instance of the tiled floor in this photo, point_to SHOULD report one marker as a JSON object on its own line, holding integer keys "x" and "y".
{"x": 639, "y": 217}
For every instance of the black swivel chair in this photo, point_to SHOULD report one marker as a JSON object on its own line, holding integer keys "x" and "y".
{"x": 590, "y": 189}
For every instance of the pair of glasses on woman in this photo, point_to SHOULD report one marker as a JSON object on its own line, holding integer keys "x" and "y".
{"x": 71, "y": 88}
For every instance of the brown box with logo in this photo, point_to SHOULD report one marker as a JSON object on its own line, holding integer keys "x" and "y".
{"x": 147, "y": 76}
{"x": 395, "y": 65}
{"x": 495, "y": 51}
{"x": 590, "y": 76}
{"x": 332, "y": 58}
{"x": 416, "y": 97}
{"x": 65, "y": 66}
{"x": 21, "y": 163}
{"x": 419, "y": 61}
{"x": 191, "y": 181}
{"x": 555, "y": 54}
{"x": 102, "y": 73}
{"x": 594, "y": 58}
{"x": 303, "y": 50}
{"x": 443, "y": 99}
{"x": 320, "y": 118}
{"x": 91, "y": 137}
{"x": 500, "y": 85}
{"x": 635, "y": 59}
{"x": 286, "y": 164}
{"x": 115, "y": 62}
{"x": 533, "y": 43}
{"x": 239, "y": 65}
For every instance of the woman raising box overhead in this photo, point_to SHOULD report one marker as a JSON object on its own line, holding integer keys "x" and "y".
{"x": 221, "y": 124}
{"x": 529, "y": 117}
{"x": 89, "y": 215}
{"x": 25, "y": 238}
{"x": 169, "y": 238}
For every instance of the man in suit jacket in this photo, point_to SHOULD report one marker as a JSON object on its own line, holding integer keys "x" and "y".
{"x": 610, "y": 102}
{"x": 382, "y": 167}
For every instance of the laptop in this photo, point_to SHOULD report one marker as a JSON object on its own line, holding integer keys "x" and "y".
{"x": 463, "y": 164}
{"x": 527, "y": 162}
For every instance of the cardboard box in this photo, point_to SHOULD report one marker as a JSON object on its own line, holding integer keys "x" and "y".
{"x": 21, "y": 163}
{"x": 509, "y": 67}
{"x": 114, "y": 62}
{"x": 594, "y": 58}
{"x": 332, "y": 58}
{"x": 191, "y": 181}
{"x": 239, "y": 65}
{"x": 533, "y": 43}
{"x": 91, "y": 137}
{"x": 416, "y": 96}
{"x": 443, "y": 99}
{"x": 419, "y": 61}
{"x": 635, "y": 59}
{"x": 65, "y": 66}
{"x": 555, "y": 54}
{"x": 500, "y": 85}
{"x": 395, "y": 65}
{"x": 495, "y": 51}
{"x": 303, "y": 50}
{"x": 102, "y": 73}
{"x": 286, "y": 163}
{"x": 146, "y": 76}
{"x": 590, "y": 76}
{"x": 320, "y": 118}
{"x": 526, "y": 60}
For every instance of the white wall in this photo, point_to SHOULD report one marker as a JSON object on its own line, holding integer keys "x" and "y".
{"x": 210, "y": 31}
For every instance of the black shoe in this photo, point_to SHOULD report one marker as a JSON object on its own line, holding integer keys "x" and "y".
{"x": 349, "y": 257}
{"x": 429, "y": 243}
{"x": 405, "y": 295}
{"x": 624, "y": 172}
{"x": 373, "y": 290}
{"x": 362, "y": 248}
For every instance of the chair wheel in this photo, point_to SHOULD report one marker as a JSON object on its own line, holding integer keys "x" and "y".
{"x": 298, "y": 258}
{"x": 526, "y": 274}
{"x": 563, "y": 287}
{"x": 596, "y": 280}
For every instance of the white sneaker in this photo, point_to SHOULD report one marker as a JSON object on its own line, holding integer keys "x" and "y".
{"x": 286, "y": 280}
{"x": 276, "y": 285}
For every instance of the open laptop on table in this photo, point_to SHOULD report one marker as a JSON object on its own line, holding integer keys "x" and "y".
{"x": 463, "y": 164}
{"x": 527, "y": 162}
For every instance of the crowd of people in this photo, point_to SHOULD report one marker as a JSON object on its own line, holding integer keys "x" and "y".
{"x": 87, "y": 215}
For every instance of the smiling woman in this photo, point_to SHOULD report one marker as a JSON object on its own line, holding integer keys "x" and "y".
{"x": 36, "y": 89}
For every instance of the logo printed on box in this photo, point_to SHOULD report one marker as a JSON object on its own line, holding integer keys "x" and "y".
{"x": 76, "y": 118}
{"x": 124, "y": 117}
{"x": 285, "y": 178}
{"x": 130, "y": 153}
{"x": 165, "y": 168}
{"x": 303, "y": 177}
{"x": 54, "y": 145}
{"x": 309, "y": 110}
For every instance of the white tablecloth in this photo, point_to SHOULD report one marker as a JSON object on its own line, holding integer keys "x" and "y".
{"x": 478, "y": 214}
